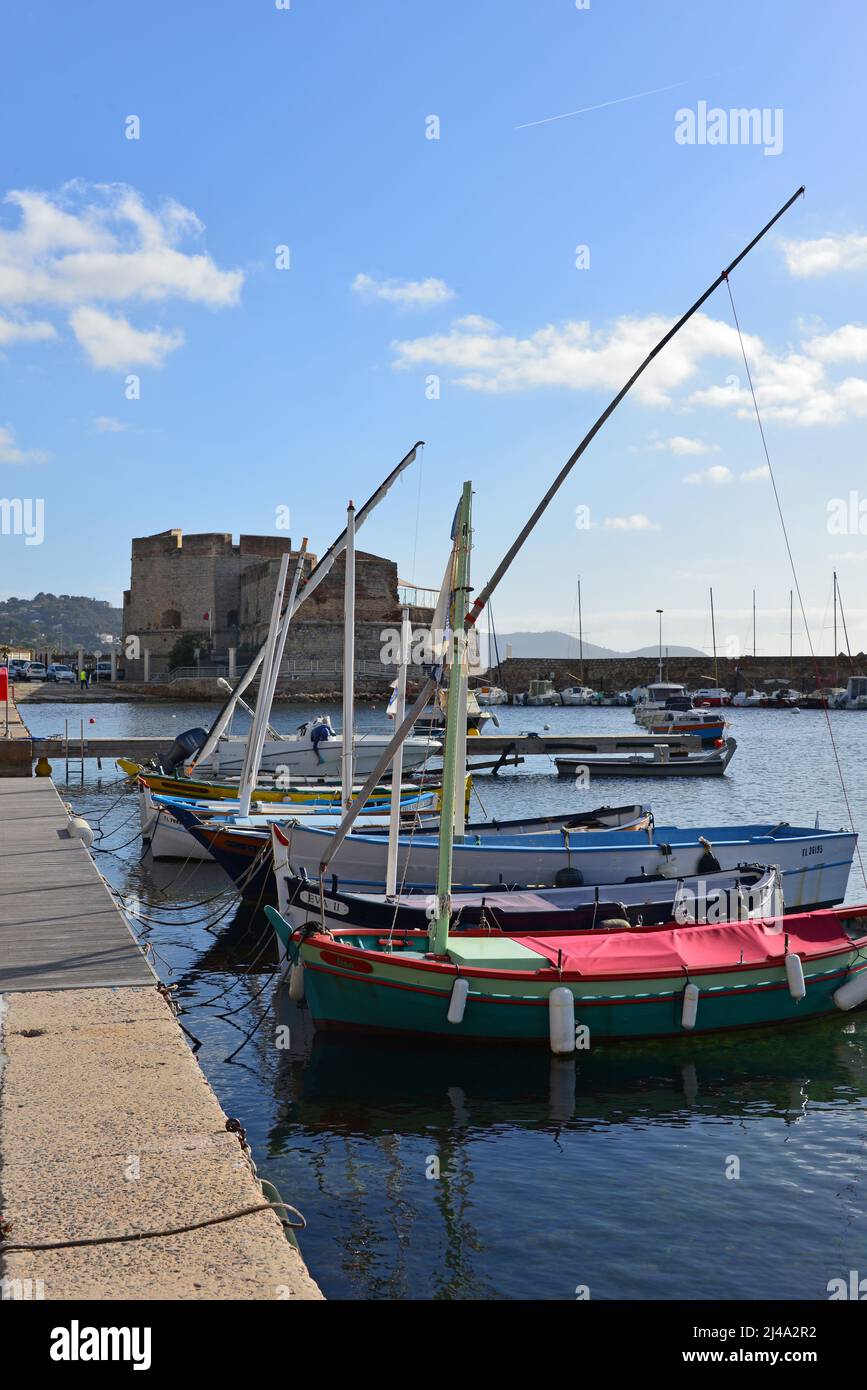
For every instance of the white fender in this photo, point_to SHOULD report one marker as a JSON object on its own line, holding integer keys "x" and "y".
{"x": 79, "y": 829}
{"x": 853, "y": 993}
{"x": 795, "y": 975}
{"x": 296, "y": 982}
{"x": 689, "y": 1013}
{"x": 561, "y": 1020}
{"x": 458, "y": 1000}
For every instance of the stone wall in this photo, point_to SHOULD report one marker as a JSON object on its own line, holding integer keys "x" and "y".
{"x": 516, "y": 673}
{"x": 176, "y": 579}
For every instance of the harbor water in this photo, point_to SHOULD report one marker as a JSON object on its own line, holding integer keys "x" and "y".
{"x": 712, "y": 1168}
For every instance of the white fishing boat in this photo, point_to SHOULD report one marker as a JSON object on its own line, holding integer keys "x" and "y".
{"x": 315, "y": 750}
{"x": 855, "y": 694}
{"x": 487, "y": 695}
{"x": 541, "y": 692}
{"x": 814, "y": 864}
{"x": 648, "y": 700}
{"x": 579, "y": 695}
{"x": 710, "y": 697}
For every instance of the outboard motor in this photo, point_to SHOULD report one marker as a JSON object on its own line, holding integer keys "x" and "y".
{"x": 183, "y": 748}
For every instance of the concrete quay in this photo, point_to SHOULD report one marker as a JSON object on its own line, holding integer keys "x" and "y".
{"x": 108, "y": 1126}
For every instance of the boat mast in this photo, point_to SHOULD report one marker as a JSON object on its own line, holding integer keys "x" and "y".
{"x": 348, "y": 659}
{"x": 485, "y": 593}
{"x": 397, "y": 764}
{"x": 754, "y": 624}
{"x": 452, "y": 770}
{"x": 791, "y": 628}
{"x": 319, "y": 572}
{"x": 836, "y": 682}
{"x": 580, "y": 635}
{"x": 256, "y": 737}
{"x": 713, "y": 637}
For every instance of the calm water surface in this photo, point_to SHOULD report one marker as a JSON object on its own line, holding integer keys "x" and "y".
{"x": 609, "y": 1172}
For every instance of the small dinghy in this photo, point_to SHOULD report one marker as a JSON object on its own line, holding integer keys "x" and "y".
{"x": 663, "y": 761}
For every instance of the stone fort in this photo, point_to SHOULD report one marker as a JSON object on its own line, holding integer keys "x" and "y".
{"x": 221, "y": 592}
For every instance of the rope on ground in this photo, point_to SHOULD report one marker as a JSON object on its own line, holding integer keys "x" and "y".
{"x": 299, "y": 1225}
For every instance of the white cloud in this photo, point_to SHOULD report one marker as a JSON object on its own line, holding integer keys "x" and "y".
{"x": 11, "y": 453}
{"x": 14, "y": 331}
{"x": 106, "y": 424}
{"x": 112, "y": 342}
{"x": 90, "y": 246}
{"x": 717, "y": 476}
{"x": 415, "y": 294}
{"x": 826, "y": 254}
{"x": 753, "y": 475}
{"x": 636, "y": 522}
{"x": 573, "y": 355}
{"x": 682, "y": 445}
{"x": 846, "y": 344}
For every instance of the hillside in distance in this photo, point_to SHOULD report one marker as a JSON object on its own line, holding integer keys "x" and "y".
{"x": 562, "y": 644}
{"x": 60, "y": 622}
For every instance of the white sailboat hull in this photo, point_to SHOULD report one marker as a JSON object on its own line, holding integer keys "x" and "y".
{"x": 298, "y": 758}
{"x": 815, "y": 864}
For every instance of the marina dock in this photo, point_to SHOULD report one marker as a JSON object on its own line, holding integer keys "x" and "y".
{"x": 120, "y": 1176}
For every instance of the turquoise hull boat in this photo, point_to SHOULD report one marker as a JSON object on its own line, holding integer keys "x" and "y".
{"x": 626, "y": 989}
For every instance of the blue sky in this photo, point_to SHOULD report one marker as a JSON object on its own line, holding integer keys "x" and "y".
{"x": 412, "y": 258}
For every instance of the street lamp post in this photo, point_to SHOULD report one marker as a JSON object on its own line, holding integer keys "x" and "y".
{"x": 660, "y": 662}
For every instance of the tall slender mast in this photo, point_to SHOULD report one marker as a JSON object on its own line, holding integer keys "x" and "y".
{"x": 256, "y": 737}
{"x": 791, "y": 627}
{"x": 439, "y": 935}
{"x": 346, "y": 762}
{"x": 754, "y": 624}
{"x": 483, "y": 597}
{"x": 713, "y": 635}
{"x": 835, "y": 627}
{"x": 397, "y": 765}
{"x": 580, "y": 634}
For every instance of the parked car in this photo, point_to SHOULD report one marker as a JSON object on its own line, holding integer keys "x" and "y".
{"x": 33, "y": 671}
{"x": 102, "y": 671}
{"x": 60, "y": 673}
{"x": 16, "y": 669}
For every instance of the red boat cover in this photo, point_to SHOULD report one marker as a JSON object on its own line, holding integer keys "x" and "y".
{"x": 623, "y": 954}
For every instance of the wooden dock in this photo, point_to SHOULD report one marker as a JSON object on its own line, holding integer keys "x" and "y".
{"x": 60, "y": 928}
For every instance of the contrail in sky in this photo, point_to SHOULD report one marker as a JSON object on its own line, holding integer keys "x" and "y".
{"x": 636, "y": 96}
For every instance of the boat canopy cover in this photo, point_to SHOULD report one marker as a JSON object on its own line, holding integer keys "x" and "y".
{"x": 697, "y": 948}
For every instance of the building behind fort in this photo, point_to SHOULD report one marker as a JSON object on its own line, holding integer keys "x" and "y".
{"x": 219, "y": 593}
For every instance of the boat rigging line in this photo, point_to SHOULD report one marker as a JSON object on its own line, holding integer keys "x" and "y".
{"x": 795, "y": 578}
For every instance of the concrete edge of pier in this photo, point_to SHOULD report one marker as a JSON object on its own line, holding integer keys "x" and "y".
{"x": 108, "y": 1125}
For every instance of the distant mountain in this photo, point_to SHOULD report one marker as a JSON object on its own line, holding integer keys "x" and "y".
{"x": 561, "y": 644}
{"x": 60, "y": 622}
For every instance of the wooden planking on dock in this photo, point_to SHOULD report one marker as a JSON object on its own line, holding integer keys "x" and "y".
{"x": 60, "y": 928}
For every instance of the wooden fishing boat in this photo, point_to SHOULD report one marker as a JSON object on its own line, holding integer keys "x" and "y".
{"x": 168, "y": 838}
{"x": 709, "y": 727}
{"x": 815, "y": 863}
{"x": 244, "y": 850}
{"x": 729, "y": 895}
{"x": 563, "y": 990}
{"x": 661, "y": 762}
{"x": 317, "y": 791}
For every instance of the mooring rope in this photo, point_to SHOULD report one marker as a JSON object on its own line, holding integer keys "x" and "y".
{"x": 795, "y": 576}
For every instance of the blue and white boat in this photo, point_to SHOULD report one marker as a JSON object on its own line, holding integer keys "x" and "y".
{"x": 814, "y": 863}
